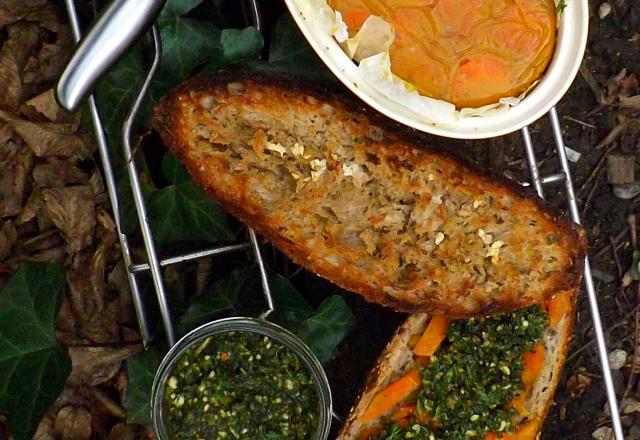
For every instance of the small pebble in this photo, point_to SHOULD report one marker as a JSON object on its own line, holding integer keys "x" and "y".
{"x": 604, "y": 433}
{"x": 603, "y": 10}
{"x": 617, "y": 359}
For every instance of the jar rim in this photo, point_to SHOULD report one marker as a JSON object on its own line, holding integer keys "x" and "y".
{"x": 243, "y": 324}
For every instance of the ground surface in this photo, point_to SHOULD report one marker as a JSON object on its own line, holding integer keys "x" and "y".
{"x": 596, "y": 122}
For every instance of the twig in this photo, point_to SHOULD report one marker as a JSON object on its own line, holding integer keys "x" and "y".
{"x": 616, "y": 257}
{"x": 591, "y": 82}
{"x": 591, "y": 193}
{"x": 597, "y": 168}
{"x": 577, "y": 121}
{"x": 613, "y": 135}
{"x": 109, "y": 404}
{"x": 616, "y": 240}
{"x": 631, "y": 221}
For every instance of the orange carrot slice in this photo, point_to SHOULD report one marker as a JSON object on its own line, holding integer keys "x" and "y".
{"x": 355, "y": 18}
{"x": 403, "y": 412}
{"x": 368, "y": 432}
{"x": 392, "y": 395}
{"x": 432, "y": 336}
{"x": 533, "y": 363}
{"x": 559, "y": 306}
{"x": 518, "y": 404}
{"x": 528, "y": 431}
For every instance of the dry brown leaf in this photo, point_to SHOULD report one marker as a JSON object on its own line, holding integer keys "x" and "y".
{"x": 55, "y": 173}
{"x": 577, "y": 384}
{"x": 45, "y": 430}
{"x": 48, "y": 63}
{"x": 8, "y": 237}
{"x": 632, "y": 102}
{"x": 48, "y": 16}
{"x": 46, "y": 104}
{"x": 97, "y": 365}
{"x": 31, "y": 208}
{"x": 15, "y": 169}
{"x": 123, "y": 431}
{"x": 16, "y": 50}
{"x": 99, "y": 262}
{"x": 52, "y": 140}
{"x": 72, "y": 210}
{"x": 15, "y": 10}
{"x": 73, "y": 423}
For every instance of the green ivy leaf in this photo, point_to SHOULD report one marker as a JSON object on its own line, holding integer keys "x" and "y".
{"x": 114, "y": 95}
{"x": 238, "y": 44}
{"x": 327, "y": 327}
{"x": 173, "y": 169}
{"x": 220, "y": 297}
{"x": 176, "y": 8}
{"x": 186, "y": 44}
{"x": 290, "y": 53}
{"x": 141, "y": 370}
{"x": 184, "y": 212}
{"x": 291, "y": 307}
{"x": 33, "y": 366}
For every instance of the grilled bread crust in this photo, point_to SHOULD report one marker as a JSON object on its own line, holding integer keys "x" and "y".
{"x": 398, "y": 358}
{"x": 362, "y": 203}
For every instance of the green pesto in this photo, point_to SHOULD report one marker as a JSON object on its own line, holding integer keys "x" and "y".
{"x": 475, "y": 373}
{"x": 241, "y": 385}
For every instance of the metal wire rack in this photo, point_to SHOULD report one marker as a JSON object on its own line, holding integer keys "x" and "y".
{"x": 154, "y": 264}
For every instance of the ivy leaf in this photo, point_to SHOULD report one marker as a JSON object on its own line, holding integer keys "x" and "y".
{"x": 291, "y": 307}
{"x": 173, "y": 169}
{"x": 176, "y": 8}
{"x": 114, "y": 95}
{"x": 141, "y": 370}
{"x": 238, "y": 44}
{"x": 222, "y": 296}
{"x": 322, "y": 329}
{"x": 33, "y": 366}
{"x": 290, "y": 53}
{"x": 184, "y": 212}
{"x": 327, "y": 327}
{"x": 186, "y": 44}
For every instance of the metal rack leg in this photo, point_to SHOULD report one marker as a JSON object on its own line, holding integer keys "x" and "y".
{"x": 588, "y": 281}
{"x": 138, "y": 197}
{"x": 110, "y": 182}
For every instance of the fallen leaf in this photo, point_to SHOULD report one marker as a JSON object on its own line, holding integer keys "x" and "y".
{"x": 45, "y": 430}
{"x": 56, "y": 172}
{"x": 16, "y": 50}
{"x": 73, "y": 423}
{"x": 604, "y": 433}
{"x": 97, "y": 365}
{"x": 124, "y": 431}
{"x": 46, "y": 104}
{"x": 72, "y": 210}
{"x": 52, "y": 139}
{"x": 632, "y": 102}
{"x": 630, "y": 405}
{"x": 577, "y": 384}
{"x": 8, "y": 237}
{"x": 15, "y": 10}
{"x": 49, "y": 62}
{"x": 31, "y": 208}
{"x": 16, "y": 169}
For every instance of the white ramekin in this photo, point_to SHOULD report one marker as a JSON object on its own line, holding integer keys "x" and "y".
{"x": 571, "y": 41}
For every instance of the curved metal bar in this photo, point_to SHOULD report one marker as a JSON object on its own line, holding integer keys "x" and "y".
{"x": 110, "y": 183}
{"x": 138, "y": 198}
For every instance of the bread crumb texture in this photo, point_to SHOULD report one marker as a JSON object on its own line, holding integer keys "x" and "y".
{"x": 401, "y": 224}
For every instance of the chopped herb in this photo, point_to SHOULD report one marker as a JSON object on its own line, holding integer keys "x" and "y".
{"x": 240, "y": 385}
{"x": 562, "y": 4}
{"x": 470, "y": 380}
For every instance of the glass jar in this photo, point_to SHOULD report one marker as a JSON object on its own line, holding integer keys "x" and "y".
{"x": 242, "y": 324}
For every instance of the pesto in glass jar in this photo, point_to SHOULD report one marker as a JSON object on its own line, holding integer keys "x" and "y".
{"x": 240, "y": 384}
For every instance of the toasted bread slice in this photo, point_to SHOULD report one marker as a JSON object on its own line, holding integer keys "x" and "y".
{"x": 398, "y": 358}
{"x": 369, "y": 208}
